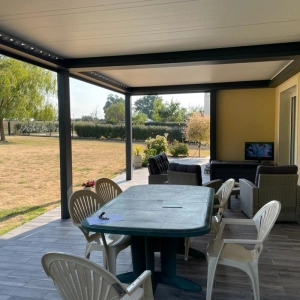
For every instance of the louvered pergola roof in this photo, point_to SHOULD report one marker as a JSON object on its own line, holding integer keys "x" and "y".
{"x": 157, "y": 46}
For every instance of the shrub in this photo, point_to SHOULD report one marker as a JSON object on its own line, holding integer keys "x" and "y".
{"x": 177, "y": 149}
{"x": 159, "y": 144}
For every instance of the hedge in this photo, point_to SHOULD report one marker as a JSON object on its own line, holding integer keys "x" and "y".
{"x": 139, "y": 132}
{"x": 108, "y": 131}
{"x": 36, "y": 127}
{"x": 169, "y": 124}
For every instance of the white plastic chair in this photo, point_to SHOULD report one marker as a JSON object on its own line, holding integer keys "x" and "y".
{"x": 84, "y": 203}
{"x": 228, "y": 252}
{"x": 107, "y": 189}
{"x": 77, "y": 278}
{"x": 222, "y": 195}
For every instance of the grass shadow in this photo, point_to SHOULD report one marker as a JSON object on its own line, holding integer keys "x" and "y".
{"x": 18, "y": 211}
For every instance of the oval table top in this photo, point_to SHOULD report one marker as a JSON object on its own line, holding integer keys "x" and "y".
{"x": 161, "y": 210}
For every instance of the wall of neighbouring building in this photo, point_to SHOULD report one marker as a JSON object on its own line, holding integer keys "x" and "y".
{"x": 246, "y": 115}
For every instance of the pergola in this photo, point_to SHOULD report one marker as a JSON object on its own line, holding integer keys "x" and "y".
{"x": 141, "y": 47}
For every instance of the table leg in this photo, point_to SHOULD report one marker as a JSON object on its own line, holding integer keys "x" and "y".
{"x": 168, "y": 267}
{"x": 152, "y": 245}
{"x": 138, "y": 260}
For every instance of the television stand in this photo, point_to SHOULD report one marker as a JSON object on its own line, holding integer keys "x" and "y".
{"x": 225, "y": 169}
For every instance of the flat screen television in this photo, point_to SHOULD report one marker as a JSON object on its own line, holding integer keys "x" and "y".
{"x": 259, "y": 151}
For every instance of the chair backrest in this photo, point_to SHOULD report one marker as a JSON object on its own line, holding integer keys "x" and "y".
{"x": 82, "y": 204}
{"x": 193, "y": 174}
{"x": 182, "y": 178}
{"x": 223, "y": 195}
{"x": 78, "y": 278}
{"x": 107, "y": 189}
{"x": 158, "y": 164}
{"x": 264, "y": 220}
{"x": 290, "y": 169}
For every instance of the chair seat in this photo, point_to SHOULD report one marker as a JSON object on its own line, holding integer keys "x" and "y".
{"x": 232, "y": 252}
{"x": 117, "y": 239}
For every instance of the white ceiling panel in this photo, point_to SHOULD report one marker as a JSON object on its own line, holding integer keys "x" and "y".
{"x": 192, "y": 74}
{"x": 102, "y": 28}
{"x": 93, "y": 28}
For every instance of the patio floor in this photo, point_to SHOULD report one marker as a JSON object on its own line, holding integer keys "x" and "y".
{"x": 22, "y": 277}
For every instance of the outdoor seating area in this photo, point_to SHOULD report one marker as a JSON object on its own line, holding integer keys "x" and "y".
{"x": 225, "y": 227}
{"x": 21, "y": 250}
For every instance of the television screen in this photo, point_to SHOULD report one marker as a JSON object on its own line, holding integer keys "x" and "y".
{"x": 259, "y": 151}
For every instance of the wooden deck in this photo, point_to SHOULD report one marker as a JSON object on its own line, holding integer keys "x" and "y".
{"x": 22, "y": 277}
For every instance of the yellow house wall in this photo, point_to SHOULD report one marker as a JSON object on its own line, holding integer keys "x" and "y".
{"x": 243, "y": 116}
{"x": 293, "y": 81}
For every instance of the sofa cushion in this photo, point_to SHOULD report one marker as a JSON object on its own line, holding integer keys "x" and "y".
{"x": 158, "y": 164}
{"x": 188, "y": 169}
{"x": 290, "y": 169}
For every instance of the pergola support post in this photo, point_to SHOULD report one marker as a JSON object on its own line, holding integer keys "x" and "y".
{"x": 213, "y": 124}
{"x": 65, "y": 148}
{"x": 128, "y": 133}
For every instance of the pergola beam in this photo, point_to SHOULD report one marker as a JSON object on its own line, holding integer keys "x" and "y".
{"x": 243, "y": 54}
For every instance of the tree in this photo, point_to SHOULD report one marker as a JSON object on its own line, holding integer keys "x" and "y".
{"x": 145, "y": 105}
{"x": 95, "y": 113}
{"x": 139, "y": 118}
{"x": 112, "y": 99}
{"x": 24, "y": 92}
{"x": 197, "y": 109}
{"x": 168, "y": 111}
{"x": 115, "y": 113}
{"x": 198, "y": 129}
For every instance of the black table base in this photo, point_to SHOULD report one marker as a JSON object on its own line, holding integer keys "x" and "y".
{"x": 143, "y": 249}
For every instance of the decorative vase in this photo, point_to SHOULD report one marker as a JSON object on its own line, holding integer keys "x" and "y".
{"x": 137, "y": 161}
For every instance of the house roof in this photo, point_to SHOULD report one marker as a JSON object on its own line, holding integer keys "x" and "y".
{"x": 158, "y": 46}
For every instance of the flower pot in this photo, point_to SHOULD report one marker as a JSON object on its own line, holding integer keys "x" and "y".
{"x": 87, "y": 188}
{"x": 137, "y": 161}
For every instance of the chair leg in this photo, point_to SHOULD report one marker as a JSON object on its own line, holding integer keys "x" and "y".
{"x": 212, "y": 265}
{"x": 186, "y": 248}
{"x": 112, "y": 259}
{"x": 148, "y": 292}
{"x": 87, "y": 251}
{"x": 254, "y": 280}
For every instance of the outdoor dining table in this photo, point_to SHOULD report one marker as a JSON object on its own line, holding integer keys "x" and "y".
{"x": 156, "y": 216}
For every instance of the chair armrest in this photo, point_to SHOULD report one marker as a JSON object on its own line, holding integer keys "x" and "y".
{"x": 249, "y": 197}
{"x": 218, "y": 206}
{"x": 245, "y": 182}
{"x": 215, "y": 184}
{"x": 232, "y": 222}
{"x": 238, "y": 221}
{"x": 142, "y": 279}
{"x": 298, "y": 195}
{"x": 157, "y": 179}
{"x": 241, "y": 241}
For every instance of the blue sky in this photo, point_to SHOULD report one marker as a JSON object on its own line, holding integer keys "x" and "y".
{"x": 86, "y": 97}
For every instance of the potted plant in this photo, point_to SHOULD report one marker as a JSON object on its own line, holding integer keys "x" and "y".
{"x": 137, "y": 157}
{"x": 88, "y": 185}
